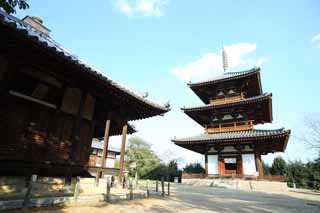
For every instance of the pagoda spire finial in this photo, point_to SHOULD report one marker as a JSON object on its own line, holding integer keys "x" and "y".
{"x": 224, "y": 59}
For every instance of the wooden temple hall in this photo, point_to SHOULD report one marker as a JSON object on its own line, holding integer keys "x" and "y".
{"x": 53, "y": 104}
{"x": 234, "y": 103}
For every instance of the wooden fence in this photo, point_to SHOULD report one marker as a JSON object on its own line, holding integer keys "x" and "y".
{"x": 22, "y": 193}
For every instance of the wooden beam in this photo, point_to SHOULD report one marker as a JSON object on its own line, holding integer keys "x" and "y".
{"x": 123, "y": 147}
{"x": 105, "y": 143}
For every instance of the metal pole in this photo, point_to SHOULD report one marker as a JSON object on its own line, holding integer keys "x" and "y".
{"x": 168, "y": 188}
{"x": 157, "y": 186}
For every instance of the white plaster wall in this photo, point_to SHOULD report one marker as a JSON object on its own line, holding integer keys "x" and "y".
{"x": 248, "y": 163}
{"x": 213, "y": 165}
{"x": 110, "y": 162}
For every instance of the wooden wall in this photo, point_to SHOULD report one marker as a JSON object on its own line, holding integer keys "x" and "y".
{"x": 37, "y": 135}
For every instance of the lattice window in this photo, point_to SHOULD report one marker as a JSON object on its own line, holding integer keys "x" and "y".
{"x": 26, "y": 84}
{"x": 88, "y": 107}
{"x": 71, "y": 101}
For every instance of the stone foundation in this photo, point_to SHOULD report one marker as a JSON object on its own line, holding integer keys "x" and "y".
{"x": 248, "y": 185}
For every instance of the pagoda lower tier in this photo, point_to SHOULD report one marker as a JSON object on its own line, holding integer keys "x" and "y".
{"x": 237, "y": 152}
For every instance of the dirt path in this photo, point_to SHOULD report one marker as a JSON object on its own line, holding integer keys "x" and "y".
{"x": 205, "y": 199}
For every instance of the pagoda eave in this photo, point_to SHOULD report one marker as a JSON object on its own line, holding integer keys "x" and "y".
{"x": 265, "y": 141}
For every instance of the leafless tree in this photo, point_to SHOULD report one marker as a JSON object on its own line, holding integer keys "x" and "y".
{"x": 311, "y": 133}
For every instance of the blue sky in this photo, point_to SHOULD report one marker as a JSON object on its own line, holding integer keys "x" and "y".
{"x": 157, "y": 45}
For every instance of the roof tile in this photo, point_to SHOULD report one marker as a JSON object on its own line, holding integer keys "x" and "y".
{"x": 232, "y": 135}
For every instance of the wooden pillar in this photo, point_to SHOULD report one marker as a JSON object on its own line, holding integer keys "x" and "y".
{"x": 123, "y": 149}
{"x": 259, "y": 164}
{"x": 3, "y": 67}
{"x": 221, "y": 165}
{"x": 105, "y": 143}
{"x": 206, "y": 163}
{"x": 239, "y": 166}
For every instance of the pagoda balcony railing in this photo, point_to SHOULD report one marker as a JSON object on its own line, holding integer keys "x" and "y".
{"x": 230, "y": 127}
{"x": 225, "y": 100}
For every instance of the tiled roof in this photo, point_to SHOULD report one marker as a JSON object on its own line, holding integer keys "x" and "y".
{"x": 244, "y": 101}
{"x": 225, "y": 76}
{"x": 99, "y": 145}
{"x": 48, "y": 42}
{"x": 228, "y": 136}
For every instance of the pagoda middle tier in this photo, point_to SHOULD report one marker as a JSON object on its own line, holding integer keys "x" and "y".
{"x": 234, "y": 101}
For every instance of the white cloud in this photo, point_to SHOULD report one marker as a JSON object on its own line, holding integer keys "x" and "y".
{"x": 316, "y": 40}
{"x": 137, "y": 8}
{"x": 210, "y": 64}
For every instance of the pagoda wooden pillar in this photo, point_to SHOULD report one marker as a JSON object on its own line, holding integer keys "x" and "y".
{"x": 123, "y": 149}
{"x": 259, "y": 166}
{"x": 221, "y": 165}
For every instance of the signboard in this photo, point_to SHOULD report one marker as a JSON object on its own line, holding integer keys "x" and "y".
{"x": 230, "y": 160}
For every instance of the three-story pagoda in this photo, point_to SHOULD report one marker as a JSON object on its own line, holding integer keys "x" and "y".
{"x": 234, "y": 103}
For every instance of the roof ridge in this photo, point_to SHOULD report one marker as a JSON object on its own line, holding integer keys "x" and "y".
{"x": 225, "y": 76}
{"x": 254, "y": 69}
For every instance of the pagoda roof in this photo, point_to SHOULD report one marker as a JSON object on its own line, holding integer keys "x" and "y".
{"x": 47, "y": 42}
{"x": 277, "y": 138}
{"x": 259, "y": 98}
{"x": 226, "y": 77}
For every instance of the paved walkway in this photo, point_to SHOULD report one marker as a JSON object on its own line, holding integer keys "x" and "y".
{"x": 205, "y": 199}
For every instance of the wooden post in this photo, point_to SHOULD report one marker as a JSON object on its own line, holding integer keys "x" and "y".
{"x": 162, "y": 186}
{"x": 97, "y": 177}
{"x": 259, "y": 165}
{"x": 105, "y": 143}
{"x": 108, "y": 189}
{"x": 148, "y": 193}
{"x": 76, "y": 189}
{"x": 157, "y": 186}
{"x": 206, "y": 163}
{"x": 131, "y": 189}
{"x": 168, "y": 188}
{"x": 123, "y": 149}
{"x": 27, "y": 196}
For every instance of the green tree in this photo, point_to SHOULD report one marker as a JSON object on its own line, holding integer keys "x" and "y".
{"x": 194, "y": 168}
{"x": 279, "y": 166}
{"x": 140, "y": 151}
{"x": 9, "y": 5}
{"x": 167, "y": 171}
{"x": 298, "y": 174}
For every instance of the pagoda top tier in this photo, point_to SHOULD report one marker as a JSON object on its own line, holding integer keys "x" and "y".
{"x": 245, "y": 84}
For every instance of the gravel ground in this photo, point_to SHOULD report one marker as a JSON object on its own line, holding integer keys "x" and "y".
{"x": 203, "y": 199}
